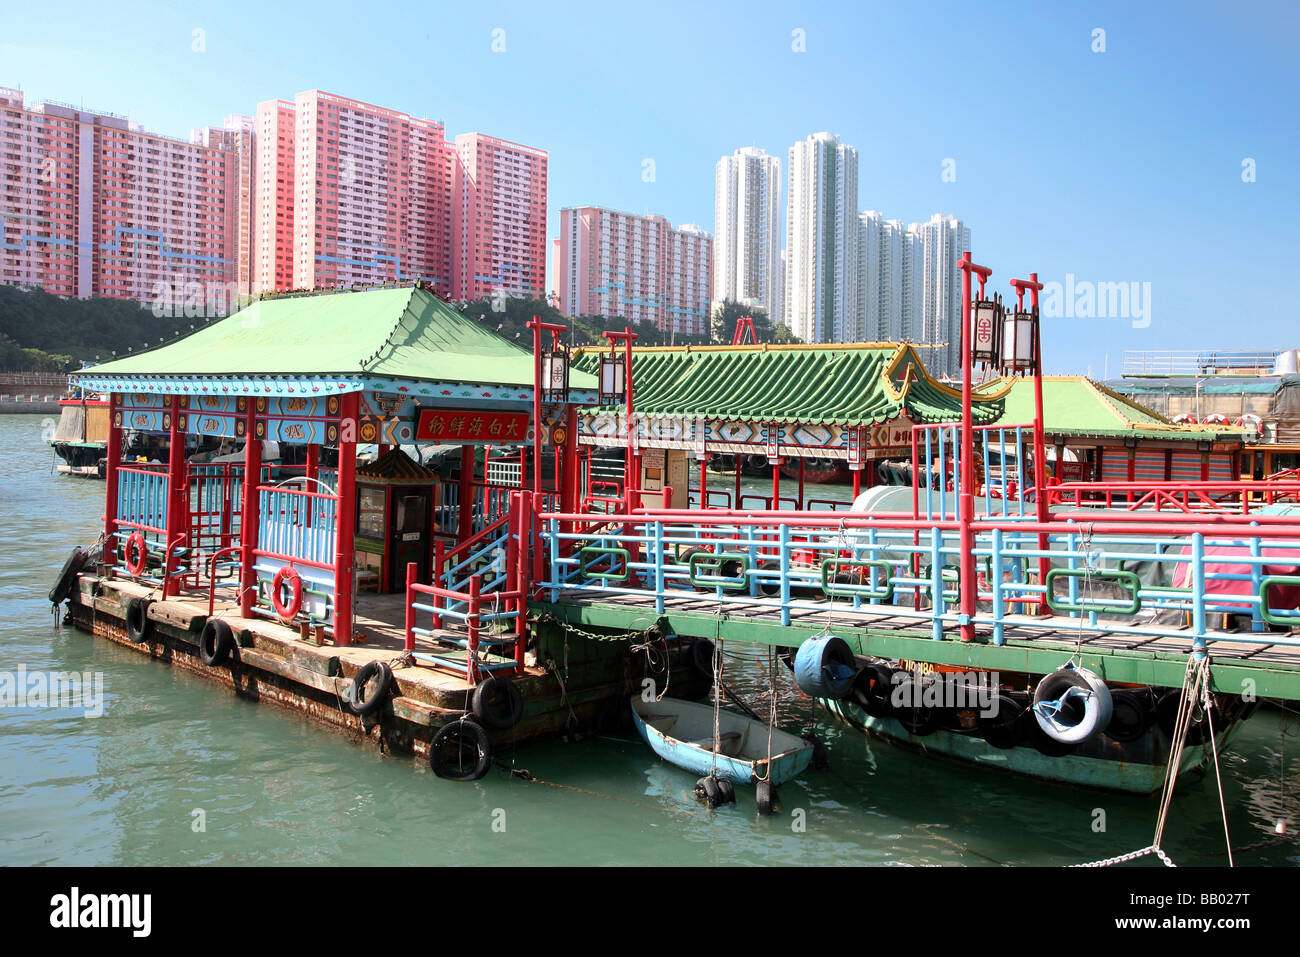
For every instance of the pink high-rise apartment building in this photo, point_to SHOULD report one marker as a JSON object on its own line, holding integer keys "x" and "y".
{"x": 238, "y": 136}
{"x": 371, "y": 195}
{"x": 500, "y": 222}
{"x": 637, "y": 268}
{"x": 271, "y": 261}
{"x": 321, "y": 191}
{"x": 92, "y": 205}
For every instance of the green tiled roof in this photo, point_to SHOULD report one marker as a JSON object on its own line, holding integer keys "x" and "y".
{"x": 1075, "y": 405}
{"x": 822, "y": 385}
{"x": 403, "y": 333}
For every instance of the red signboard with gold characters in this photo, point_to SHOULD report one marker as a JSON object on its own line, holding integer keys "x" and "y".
{"x": 465, "y": 426}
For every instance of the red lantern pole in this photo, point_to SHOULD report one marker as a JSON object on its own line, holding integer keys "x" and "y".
{"x": 555, "y": 329}
{"x": 632, "y": 480}
{"x": 966, "y": 494}
{"x": 1040, "y": 452}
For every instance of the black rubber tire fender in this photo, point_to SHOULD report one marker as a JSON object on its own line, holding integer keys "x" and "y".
{"x": 872, "y": 688}
{"x": 216, "y": 642}
{"x": 498, "y": 703}
{"x": 701, "y": 656}
{"x": 1198, "y": 731}
{"x": 68, "y": 575}
{"x": 377, "y": 671}
{"x": 708, "y": 787}
{"x": 138, "y": 625}
{"x": 765, "y": 797}
{"x": 460, "y": 737}
{"x": 1132, "y": 713}
{"x": 726, "y": 791}
{"x": 1004, "y": 729}
{"x": 918, "y": 720}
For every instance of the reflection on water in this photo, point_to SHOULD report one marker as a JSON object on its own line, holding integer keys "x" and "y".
{"x": 273, "y": 788}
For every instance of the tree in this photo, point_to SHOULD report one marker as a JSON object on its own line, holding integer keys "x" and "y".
{"x": 722, "y": 324}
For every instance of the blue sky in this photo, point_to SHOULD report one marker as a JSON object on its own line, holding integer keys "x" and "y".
{"x": 1115, "y": 166}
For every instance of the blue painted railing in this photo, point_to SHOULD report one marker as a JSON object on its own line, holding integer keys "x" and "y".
{"x": 1135, "y": 580}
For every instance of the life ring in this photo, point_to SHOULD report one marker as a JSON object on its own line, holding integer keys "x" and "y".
{"x": 1185, "y": 419}
{"x": 68, "y": 575}
{"x": 287, "y": 610}
{"x": 872, "y": 688}
{"x": 1249, "y": 421}
{"x": 460, "y": 751}
{"x": 498, "y": 704}
{"x": 382, "y": 677}
{"x": 1004, "y": 726}
{"x": 138, "y": 625}
{"x": 1072, "y": 705}
{"x": 1216, "y": 419}
{"x": 136, "y": 554}
{"x": 216, "y": 641}
{"x": 825, "y": 667}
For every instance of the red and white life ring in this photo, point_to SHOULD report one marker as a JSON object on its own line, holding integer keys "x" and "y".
{"x": 136, "y": 554}
{"x": 1249, "y": 421}
{"x": 1216, "y": 419}
{"x": 1185, "y": 419}
{"x": 286, "y": 576}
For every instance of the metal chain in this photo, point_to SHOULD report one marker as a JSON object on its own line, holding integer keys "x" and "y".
{"x": 1131, "y": 856}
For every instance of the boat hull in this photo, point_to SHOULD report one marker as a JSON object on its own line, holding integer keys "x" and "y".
{"x": 747, "y": 765}
{"x": 1136, "y": 767}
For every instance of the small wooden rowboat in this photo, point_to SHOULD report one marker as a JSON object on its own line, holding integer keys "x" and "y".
{"x": 681, "y": 732}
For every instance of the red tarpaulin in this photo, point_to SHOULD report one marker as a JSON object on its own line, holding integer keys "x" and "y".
{"x": 1279, "y": 596}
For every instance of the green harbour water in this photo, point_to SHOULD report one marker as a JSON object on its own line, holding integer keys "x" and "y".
{"x": 274, "y": 788}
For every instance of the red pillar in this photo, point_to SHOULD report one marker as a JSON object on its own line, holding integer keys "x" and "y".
{"x": 176, "y": 478}
{"x": 570, "y": 467}
{"x": 465, "y": 495}
{"x": 250, "y": 512}
{"x": 776, "y": 482}
{"x": 857, "y": 483}
{"x": 803, "y": 468}
{"x": 113, "y": 459}
{"x": 739, "y": 461}
{"x": 704, "y": 483}
{"x": 966, "y": 492}
{"x": 344, "y": 556}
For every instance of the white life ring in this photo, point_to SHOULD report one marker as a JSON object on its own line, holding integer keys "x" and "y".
{"x": 1185, "y": 419}
{"x": 1072, "y": 705}
{"x": 1249, "y": 421}
{"x": 1216, "y": 419}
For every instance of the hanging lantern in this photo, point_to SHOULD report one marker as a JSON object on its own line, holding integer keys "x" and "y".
{"x": 986, "y": 333}
{"x": 613, "y": 380}
{"x": 1020, "y": 343}
{"x": 555, "y": 375}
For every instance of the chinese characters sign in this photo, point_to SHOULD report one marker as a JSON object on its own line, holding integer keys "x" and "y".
{"x": 466, "y": 426}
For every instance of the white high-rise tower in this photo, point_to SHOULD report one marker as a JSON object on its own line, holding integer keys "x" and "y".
{"x": 747, "y": 231}
{"x": 822, "y": 229}
{"x": 942, "y": 240}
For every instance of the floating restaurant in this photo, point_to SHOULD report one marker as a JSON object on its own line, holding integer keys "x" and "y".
{"x": 571, "y": 545}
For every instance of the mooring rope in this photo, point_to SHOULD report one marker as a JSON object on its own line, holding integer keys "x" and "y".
{"x": 1193, "y": 676}
{"x": 1208, "y": 705}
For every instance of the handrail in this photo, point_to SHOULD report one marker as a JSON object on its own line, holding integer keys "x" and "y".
{"x": 212, "y": 574}
{"x": 871, "y": 560}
